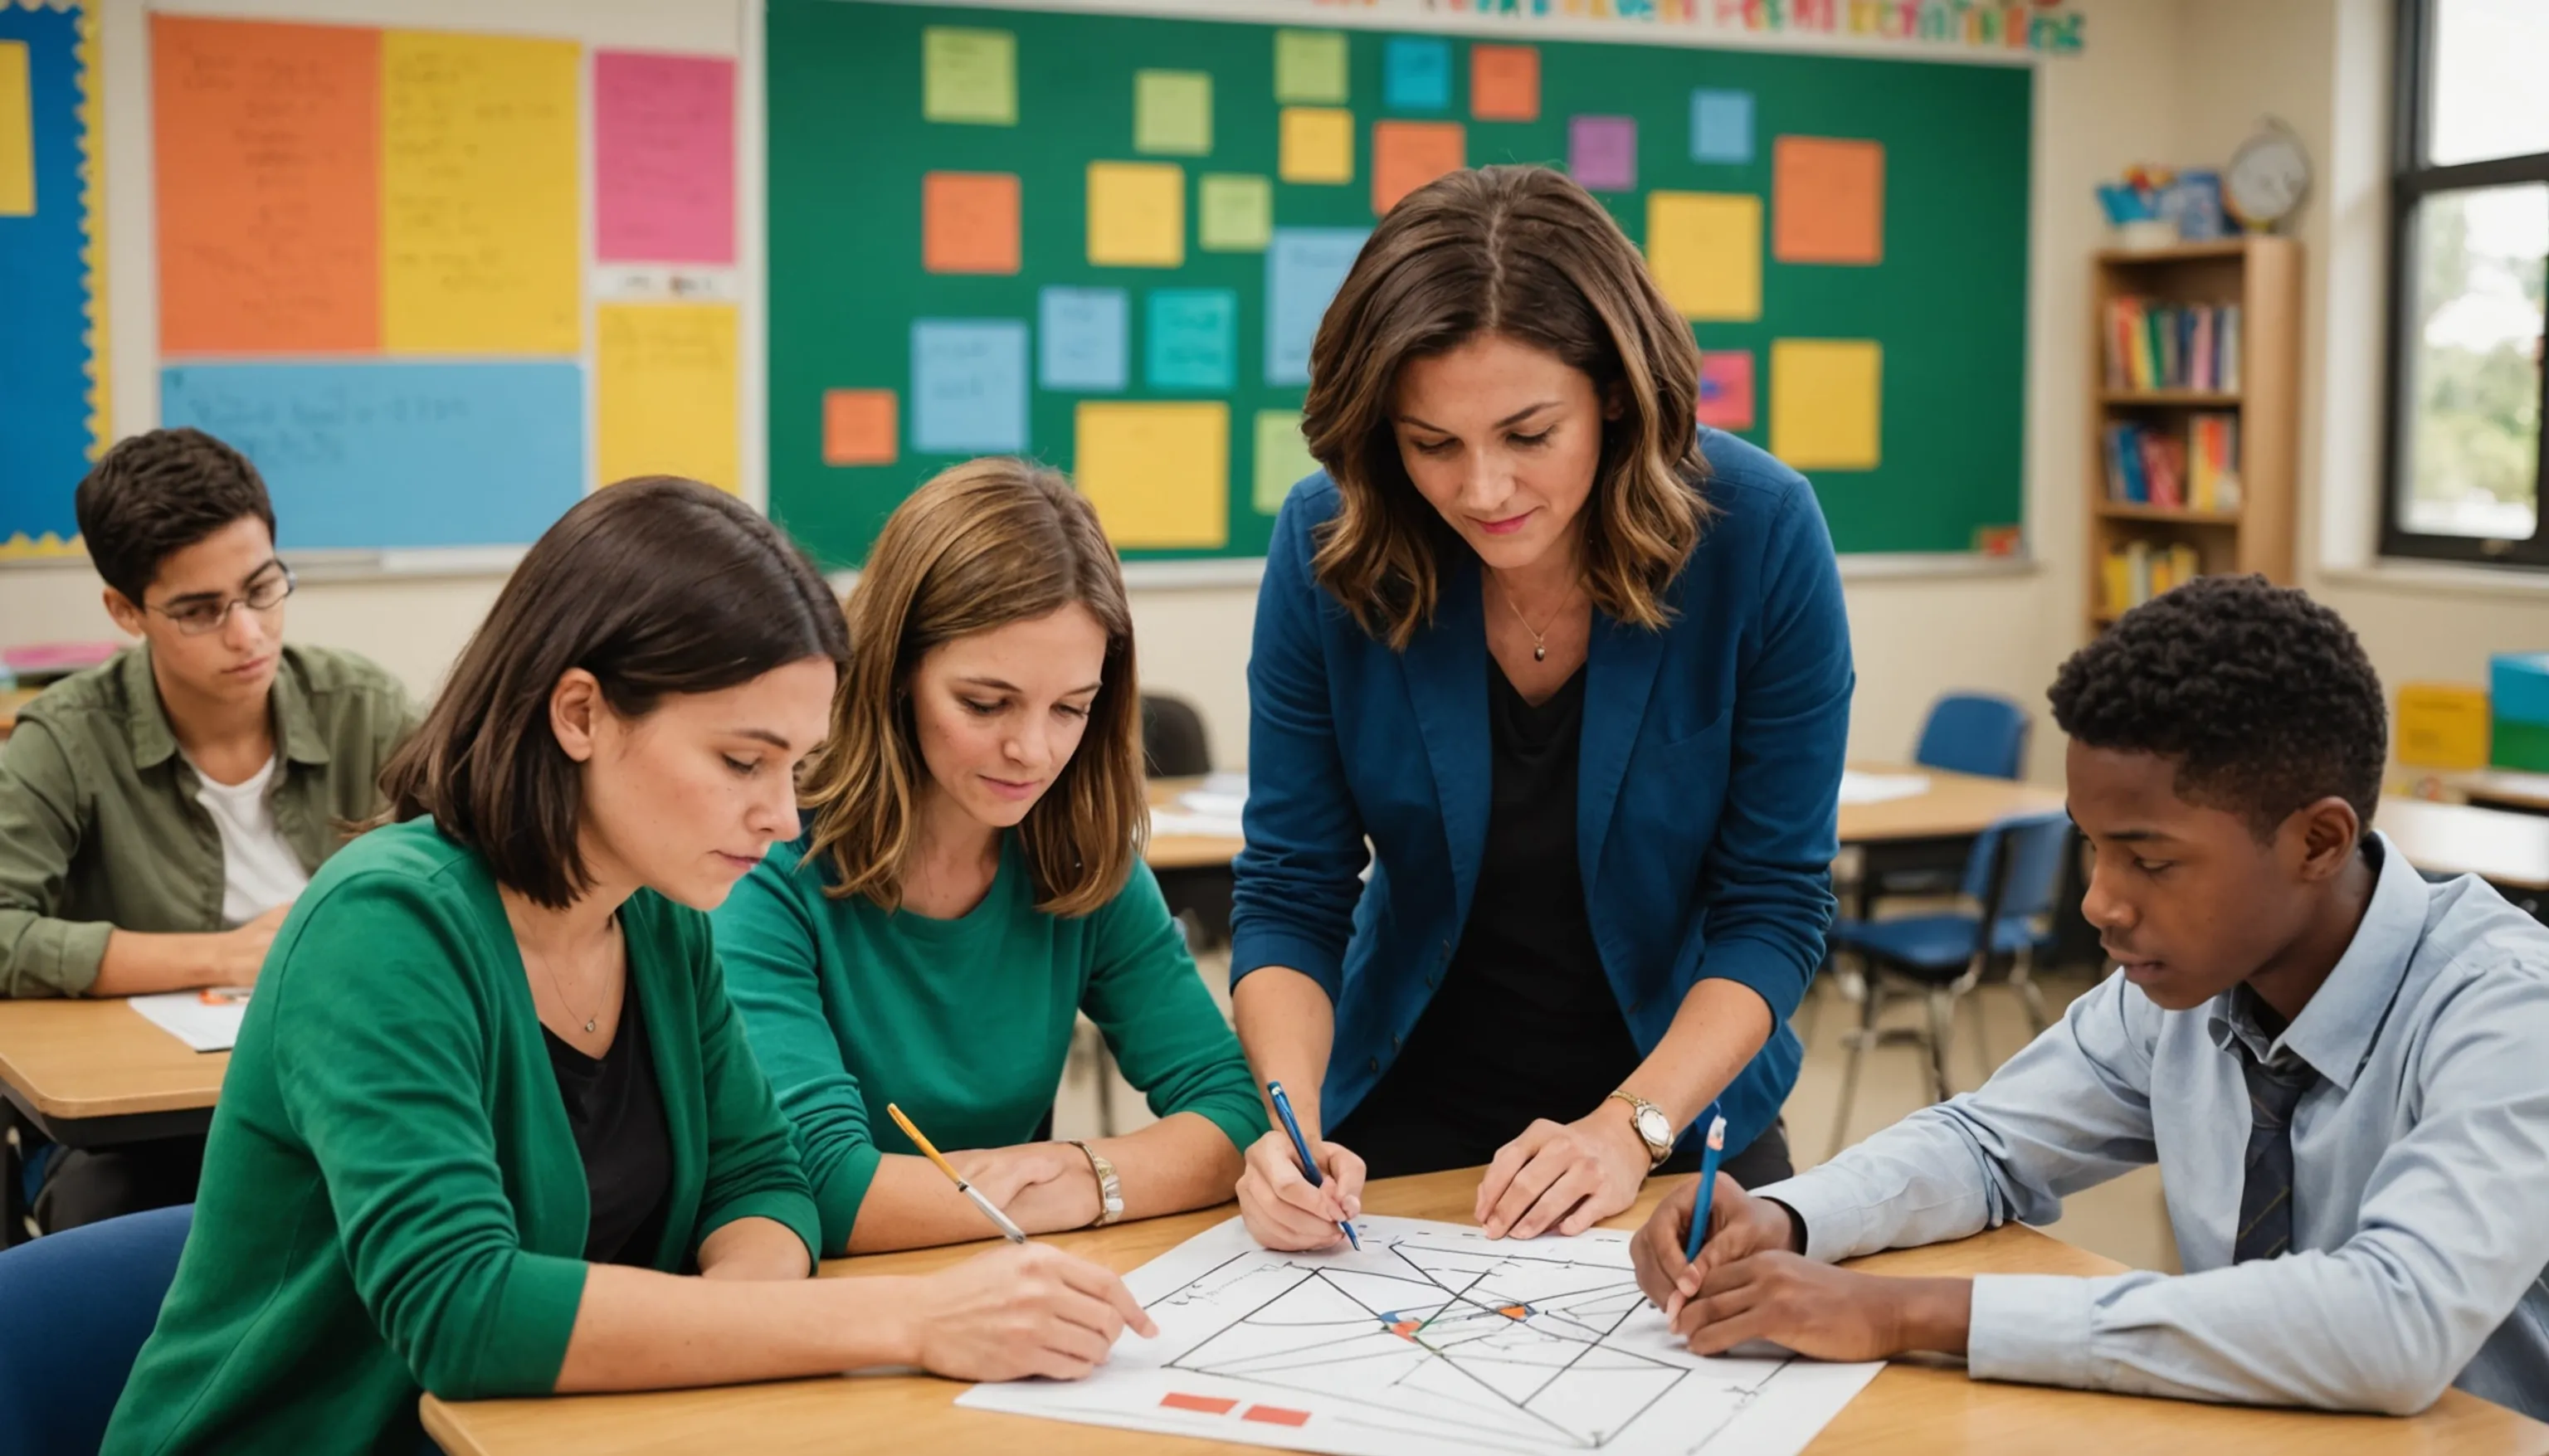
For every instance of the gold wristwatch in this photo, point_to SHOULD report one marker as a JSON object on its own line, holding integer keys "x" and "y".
{"x": 1652, "y": 1125}
{"x": 1111, "y": 1192}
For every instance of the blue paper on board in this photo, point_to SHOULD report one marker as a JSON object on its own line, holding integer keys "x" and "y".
{"x": 1079, "y": 340}
{"x": 968, "y": 385}
{"x": 1304, "y": 268}
{"x": 44, "y": 295}
{"x": 388, "y": 455}
{"x": 1416, "y": 74}
{"x": 1721, "y": 126}
{"x": 1190, "y": 339}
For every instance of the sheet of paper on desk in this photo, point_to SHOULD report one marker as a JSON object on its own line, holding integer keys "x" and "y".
{"x": 1432, "y": 1340}
{"x": 1879, "y": 788}
{"x": 1206, "y": 825}
{"x": 186, "y": 1016}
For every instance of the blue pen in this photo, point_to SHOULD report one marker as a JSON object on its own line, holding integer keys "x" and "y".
{"x": 1707, "y": 1189}
{"x": 1301, "y": 1146}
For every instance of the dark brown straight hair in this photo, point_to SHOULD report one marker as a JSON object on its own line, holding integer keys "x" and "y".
{"x": 654, "y": 586}
{"x": 1526, "y": 253}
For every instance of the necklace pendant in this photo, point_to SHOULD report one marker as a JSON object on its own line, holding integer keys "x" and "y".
{"x": 588, "y": 1024}
{"x": 1540, "y": 654}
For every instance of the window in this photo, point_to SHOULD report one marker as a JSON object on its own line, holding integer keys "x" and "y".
{"x": 2469, "y": 266}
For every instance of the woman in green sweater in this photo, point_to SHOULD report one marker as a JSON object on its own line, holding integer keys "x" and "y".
{"x": 970, "y": 882}
{"x": 491, "y": 1128}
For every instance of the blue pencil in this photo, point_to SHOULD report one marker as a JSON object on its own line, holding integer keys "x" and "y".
{"x": 1707, "y": 1189}
{"x": 1301, "y": 1146}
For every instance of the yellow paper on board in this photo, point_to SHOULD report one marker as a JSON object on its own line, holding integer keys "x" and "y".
{"x": 1159, "y": 474}
{"x": 17, "y": 132}
{"x": 665, "y": 393}
{"x": 1137, "y": 215}
{"x": 1317, "y": 145}
{"x": 1705, "y": 252}
{"x": 969, "y": 76}
{"x": 1825, "y": 400}
{"x": 1283, "y": 459}
{"x": 1173, "y": 113}
{"x": 482, "y": 226}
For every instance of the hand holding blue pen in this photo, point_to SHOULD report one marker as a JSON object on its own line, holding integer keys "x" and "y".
{"x": 1707, "y": 1195}
{"x": 1301, "y": 1146}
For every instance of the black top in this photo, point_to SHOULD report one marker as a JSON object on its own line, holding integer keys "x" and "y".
{"x": 616, "y": 1112}
{"x": 1525, "y": 1023}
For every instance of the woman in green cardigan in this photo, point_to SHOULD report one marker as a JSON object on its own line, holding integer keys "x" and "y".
{"x": 972, "y": 882}
{"x": 491, "y": 1128}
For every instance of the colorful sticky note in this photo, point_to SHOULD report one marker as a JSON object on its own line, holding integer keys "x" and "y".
{"x": 666, "y": 395}
{"x": 968, "y": 385}
{"x": 1721, "y": 126}
{"x": 857, "y": 428}
{"x": 1602, "y": 152}
{"x": 1705, "y": 252}
{"x": 1726, "y": 388}
{"x": 1283, "y": 459}
{"x": 1305, "y": 266}
{"x": 1080, "y": 338}
{"x": 1173, "y": 112}
{"x": 1236, "y": 213}
{"x": 1190, "y": 339}
{"x": 1504, "y": 83}
{"x": 663, "y": 158}
{"x": 1317, "y": 145}
{"x": 1825, "y": 401}
{"x": 17, "y": 131}
{"x": 1137, "y": 215}
{"x": 1416, "y": 73}
{"x": 1405, "y": 155}
{"x": 1159, "y": 474}
{"x": 969, "y": 76}
{"x": 1310, "y": 65}
{"x": 1829, "y": 201}
{"x": 969, "y": 221}
{"x": 482, "y": 209}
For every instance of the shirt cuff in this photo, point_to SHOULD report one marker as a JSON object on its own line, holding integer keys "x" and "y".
{"x": 56, "y": 958}
{"x": 838, "y": 1193}
{"x": 786, "y": 1207}
{"x": 1834, "y": 1221}
{"x": 2030, "y": 1327}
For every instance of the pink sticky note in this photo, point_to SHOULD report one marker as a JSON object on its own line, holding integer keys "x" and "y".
{"x": 663, "y": 157}
{"x": 1726, "y": 390}
{"x": 1602, "y": 152}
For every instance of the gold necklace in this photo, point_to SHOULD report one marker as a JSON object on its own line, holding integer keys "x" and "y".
{"x": 546, "y": 969}
{"x": 1539, "y": 635}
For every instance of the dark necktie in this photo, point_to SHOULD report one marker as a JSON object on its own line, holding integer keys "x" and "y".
{"x": 2266, "y": 1198}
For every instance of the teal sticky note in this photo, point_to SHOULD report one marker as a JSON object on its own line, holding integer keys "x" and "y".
{"x": 1721, "y": 126}
{"x": 1192, "y": 339}
{"x": 1416, "y": 73}
{"x": 968, "y": 385}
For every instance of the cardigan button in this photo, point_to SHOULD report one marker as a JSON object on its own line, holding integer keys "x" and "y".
{"x": 1375, "y": 1063}
{"x": 1394, "y": 1041}
{"x": 1633, "y": 1005}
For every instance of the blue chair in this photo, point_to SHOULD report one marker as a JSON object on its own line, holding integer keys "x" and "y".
{"x": 1976, "y": 733}
{"x": 2009, "y": 878}
{"x": 74, "y": 1309}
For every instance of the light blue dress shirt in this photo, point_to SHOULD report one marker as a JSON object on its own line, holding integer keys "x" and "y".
{"x": 2420, "y": 1219}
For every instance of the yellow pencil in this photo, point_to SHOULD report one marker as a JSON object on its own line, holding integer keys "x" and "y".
{"x": 990, "y": 1210}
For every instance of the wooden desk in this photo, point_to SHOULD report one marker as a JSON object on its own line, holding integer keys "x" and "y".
{"x": 94, "y": 1072}
{"x": 2506, "y": 789}
{"x": 1909, "y": 1409}
{"x": 2508, "y": 849}
{"x": 1956, "y": 807}
{"x": 1187, "y": 851}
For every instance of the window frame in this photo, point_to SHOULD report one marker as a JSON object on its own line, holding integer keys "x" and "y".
{"x": 2414, "y": 179}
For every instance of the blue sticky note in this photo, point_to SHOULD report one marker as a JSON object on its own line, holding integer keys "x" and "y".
{"x": 968, "y": 385}
{"x": 1080, "y": 342}
{"x": 1190, "y": 339}
{"x": 1721, "y": 126}
{"x": 1304, "y": 268}
{"x": 1416, "y": 74}
{"x": 377, "y": 455}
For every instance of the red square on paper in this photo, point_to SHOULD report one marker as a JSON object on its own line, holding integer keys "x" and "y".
{"x": 1405, "y": 155}
{"x": 1504, "y": 83}
{"x": 1276, "y": 1416}
{"x": 857, "y": 428}
{"x": 969, "y": 223}
{"x": 1726, "y": 388}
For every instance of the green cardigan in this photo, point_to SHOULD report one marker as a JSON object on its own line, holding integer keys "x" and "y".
{"x": 965, "y": 1023}
{"x": 392, "y": 1199}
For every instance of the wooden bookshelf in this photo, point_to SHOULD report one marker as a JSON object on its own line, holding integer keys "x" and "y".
{"x": 2263, "y": 276}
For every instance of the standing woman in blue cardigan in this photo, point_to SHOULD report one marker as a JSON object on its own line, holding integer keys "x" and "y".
{"x": 1579, "y": 677}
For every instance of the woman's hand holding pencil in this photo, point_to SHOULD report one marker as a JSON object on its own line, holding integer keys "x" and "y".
{"x": 1022, "y": 1309}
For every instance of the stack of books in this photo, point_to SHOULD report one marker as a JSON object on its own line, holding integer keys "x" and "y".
{"x": 2153, "y": 344}
{"x": 2138, "y": 570}
{"x": 2148, "y": 466}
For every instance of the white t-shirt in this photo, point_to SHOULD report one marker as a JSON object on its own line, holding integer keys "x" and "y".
{"x": 259, "y": 870}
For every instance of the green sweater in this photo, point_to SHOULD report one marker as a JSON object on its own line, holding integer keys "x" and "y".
{"x": 392, "y": 1199}
{"x": 965, "y": 1024}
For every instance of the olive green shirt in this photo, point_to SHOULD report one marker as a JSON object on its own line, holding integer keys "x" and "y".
{"x": 100, "y": 829}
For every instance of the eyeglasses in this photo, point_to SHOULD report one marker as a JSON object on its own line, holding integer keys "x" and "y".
{"x": 200, "y": 616}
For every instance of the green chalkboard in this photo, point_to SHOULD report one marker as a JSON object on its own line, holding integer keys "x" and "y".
{"x": 849, "y": 147}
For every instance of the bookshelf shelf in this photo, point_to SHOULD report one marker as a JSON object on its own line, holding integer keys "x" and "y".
{"x": 2262, "y": 276}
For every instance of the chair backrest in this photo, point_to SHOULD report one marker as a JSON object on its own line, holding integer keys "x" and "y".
{"x": 2016, "y": 865}
{"x": 1174, "y": 745}
{"x": 74, "y": 1310}
{"x": 1975, "y": 733}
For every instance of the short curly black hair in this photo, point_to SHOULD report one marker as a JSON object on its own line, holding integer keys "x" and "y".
{"x": 156, "y": 494}
{"x": 2262, "y": 695}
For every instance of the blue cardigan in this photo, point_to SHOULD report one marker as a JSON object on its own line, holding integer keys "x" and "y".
{"x": 1709, "y": 785}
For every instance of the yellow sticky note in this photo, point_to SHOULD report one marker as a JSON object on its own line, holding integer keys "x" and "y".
{"x": 1705, "y": 252}
{"x": 1137, "y": 215}
{"x": 1283, "y": 459}
{"x": 1826, "y": 397}
{"x": 1318, "y": 144}
{"x": 17, "y": 132}
{"x": 481, "y": 228}
{"x": 969, "y": 76}
{"x": 1158, "y": 474}
{"x": 1310, "y": 65}
{"x": 665, "y": 393}
{"x": 1173, "y": 113}
{"x": 1234, "y": 213}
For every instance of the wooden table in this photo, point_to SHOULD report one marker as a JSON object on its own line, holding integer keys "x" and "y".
{"x": 1187, "y": 851}
{"x": 2506, "y": 789}
{"x": 94, "y": 1072}
{"x": 1909, "y": 1409}
{"x": 2507, "y": 850}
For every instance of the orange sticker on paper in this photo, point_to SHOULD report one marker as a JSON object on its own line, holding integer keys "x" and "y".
{"x": 1504, "y": 83}
{"x": 1828, "y": 201}
{"x": 1405, "y": 155}
{"x": 969, "y": 223}
{"x": 857, "y": 428}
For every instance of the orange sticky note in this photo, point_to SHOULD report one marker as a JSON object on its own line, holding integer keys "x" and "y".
{"x": 969, "y": 223}
{"x": 1828, "y": 201}
{"x": 1405, "y": 155}
{"x": 1504, "y": 83}
{"x": 857, "y": 428}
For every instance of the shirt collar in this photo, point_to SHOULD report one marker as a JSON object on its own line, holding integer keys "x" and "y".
{"x": 2335, "y": 1031}
{"x": 146, "y": 720}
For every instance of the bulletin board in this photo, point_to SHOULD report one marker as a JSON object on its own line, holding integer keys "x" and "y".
{"x": 1106, "y": 241}
{"x": 52, "y": 409}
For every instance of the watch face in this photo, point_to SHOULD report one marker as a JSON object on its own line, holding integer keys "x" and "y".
{"x": 1652, "y": 1128}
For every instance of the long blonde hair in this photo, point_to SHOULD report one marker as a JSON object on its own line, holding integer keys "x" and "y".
{"x": 981, "y": 545}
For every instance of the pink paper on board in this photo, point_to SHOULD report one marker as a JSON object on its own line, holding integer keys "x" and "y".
{"x": 663, "y": 157}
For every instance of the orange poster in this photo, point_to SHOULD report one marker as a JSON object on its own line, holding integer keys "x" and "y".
{"x": 1405, "y": 155}
{"x": 268, "y": 176}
